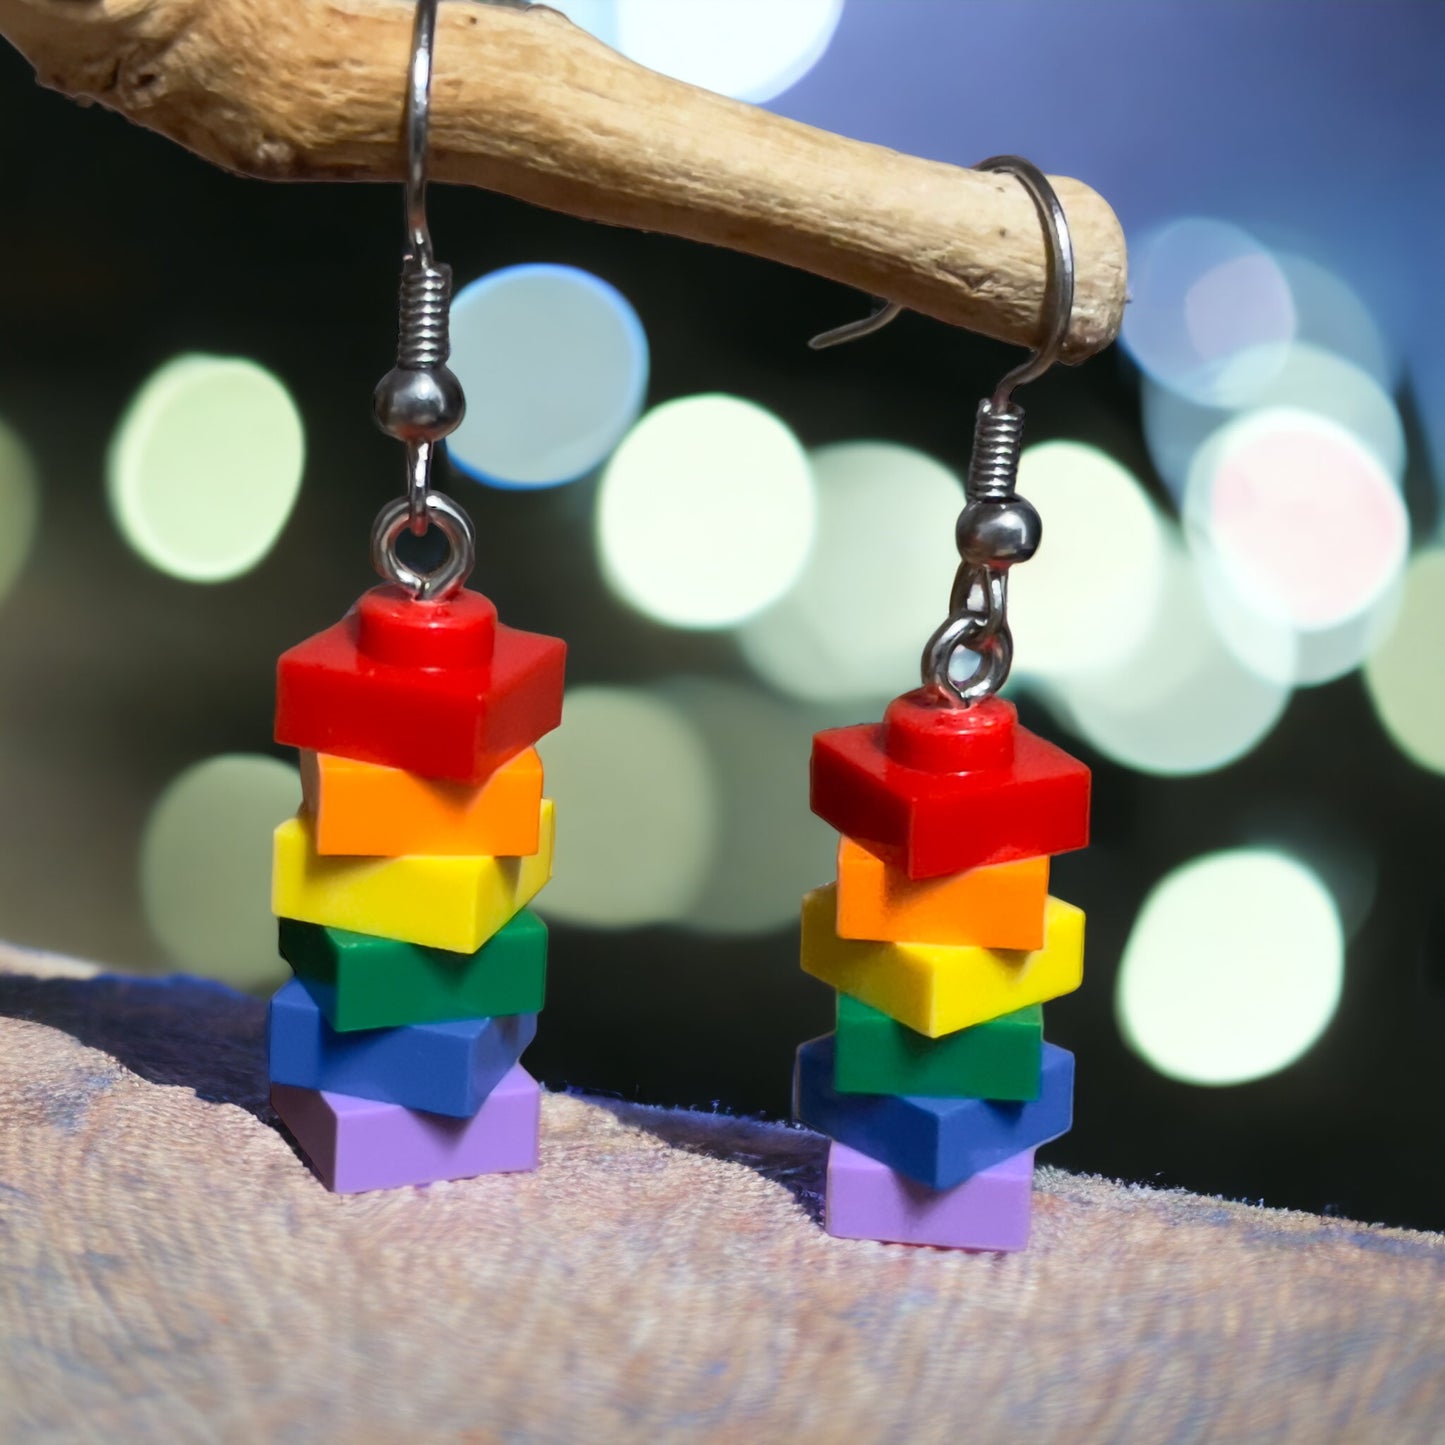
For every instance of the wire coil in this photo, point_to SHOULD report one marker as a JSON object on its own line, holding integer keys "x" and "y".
{"x": 993, "y": 467}
{"x": 424, "y": 342}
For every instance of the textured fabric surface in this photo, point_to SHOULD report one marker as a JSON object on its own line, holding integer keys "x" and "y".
{"x": 170, "y": 1270}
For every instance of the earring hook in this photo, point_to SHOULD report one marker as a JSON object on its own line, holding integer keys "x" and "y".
{"x": 1058, "y": 295}
{"x": 418, "y": 125}
{"x": 419, "y": 401}
{"x": 996, "y": 528}
{"x": 876, "y": 320}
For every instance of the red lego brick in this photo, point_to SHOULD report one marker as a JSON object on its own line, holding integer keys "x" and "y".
{"x": 441, "y": 689}
{"x": 937, "y": 789}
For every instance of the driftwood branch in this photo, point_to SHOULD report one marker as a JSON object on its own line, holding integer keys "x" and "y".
{"x": 526, "y": 103}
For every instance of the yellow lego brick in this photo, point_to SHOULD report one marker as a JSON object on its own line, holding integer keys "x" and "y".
{"x": 938, "y": 988}
{"x": 455, "y": 903}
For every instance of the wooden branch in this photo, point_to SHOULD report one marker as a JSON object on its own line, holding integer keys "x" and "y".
{"x": 526, "y": 103}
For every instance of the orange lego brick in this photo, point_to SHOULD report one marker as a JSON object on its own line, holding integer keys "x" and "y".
{"x": 996, "y": 907}
{"x": 365, "y": 810}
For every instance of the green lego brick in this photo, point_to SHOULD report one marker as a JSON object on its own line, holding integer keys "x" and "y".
{"x": 363, "y": 982}
{"x": 1000, "y": 1059}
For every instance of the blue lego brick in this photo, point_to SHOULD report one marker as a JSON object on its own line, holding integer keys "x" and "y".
{"x": 441, "y": 1068}
{"x": 938, "y": 1142}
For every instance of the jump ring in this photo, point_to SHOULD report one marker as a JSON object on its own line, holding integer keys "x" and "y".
{"x": 967, "y": 632}
{"x": 445, "y": 579}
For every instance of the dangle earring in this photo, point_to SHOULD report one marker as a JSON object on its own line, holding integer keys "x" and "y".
{"x": 939, "y": 935}
{"x": 401, "y": 886}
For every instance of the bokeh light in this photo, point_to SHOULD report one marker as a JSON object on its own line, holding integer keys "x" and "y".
{"x": 749, "y": 49}
{"x": 1087, "y": 598}
{"x": 769, "y": 848}
{"x": 1308, "y": 379}
{"x": 876, "y": 583}
{"x": 1233, "y": 969}
{"x": 1301, "y": 536}
{"x": 205, "y": 467}
{"x": 554, "y": 363}
{"x": 1331, "y": 317}
{"x": 1406, "y": 673}
{"x": 1274, "y": 649}
{"x": 706, "y": 512}
{"x": 19, "y": 505}
{"x": 1179, "y": 702}
{"x": 1314, "y": 830}
{"x": 636, "y": 810}
{"x": 1211, "y": 314}
{"x": 205, "y": 867}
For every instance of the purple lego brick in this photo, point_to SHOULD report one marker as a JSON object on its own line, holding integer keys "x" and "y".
{"x": 359, "y": 1144}
{"x": 990, "y": 1210}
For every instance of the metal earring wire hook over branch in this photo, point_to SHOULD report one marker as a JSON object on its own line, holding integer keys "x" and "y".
{"x": 418, "y": 122}
{"x": 1058, "y": 296}
{"x": 419, "y": 401}
{"x": 1059, "y": 292}
{"x": 885, "y": 312}
{"x": 996, "y": 528}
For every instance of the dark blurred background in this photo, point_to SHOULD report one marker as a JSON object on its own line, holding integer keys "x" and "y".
{"x": 1234, "y": 620}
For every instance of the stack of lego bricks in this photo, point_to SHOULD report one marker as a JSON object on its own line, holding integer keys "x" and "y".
{"x": 402, "y": 889}
{"x": 943, "y": 943}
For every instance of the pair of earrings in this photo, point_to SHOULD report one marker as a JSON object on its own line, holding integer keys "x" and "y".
{"x": 402, "y": 886}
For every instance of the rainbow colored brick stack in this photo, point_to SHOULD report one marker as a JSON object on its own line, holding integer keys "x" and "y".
{"x": 940, "y": 937}
{"x": 401, "y": 889}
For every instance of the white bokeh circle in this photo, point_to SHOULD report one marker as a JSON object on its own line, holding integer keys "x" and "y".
{"x": 748, "y": 49}
{"x": 554, "y": 364}
{"x": 636, "y": 809}
{"x": 1180, "y": 702}
{"x": 1087, "y": 597}
{"x": 19, "y": 504}
{"x": 769, "y": 848}
{"x": 1301, "y": 538}
{"x": 706, "y": 512}
{"x": 205, "y": 867}
{"x": 1405, "y": 674}
{"x": 1233, "y": 968}
{"x": 1211, "y": 314}
{"x": 876, "y": 583}
{"x": 1307, "y": 379}
{"x": 205, "y": 467}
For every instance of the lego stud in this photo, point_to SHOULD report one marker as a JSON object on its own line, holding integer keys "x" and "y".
{"x": 458, "y": 632}
{"x": 924, "y": 730}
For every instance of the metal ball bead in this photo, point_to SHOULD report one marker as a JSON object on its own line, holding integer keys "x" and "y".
{"x": 419, "y": 406}
{"x": 1001, "y": 532}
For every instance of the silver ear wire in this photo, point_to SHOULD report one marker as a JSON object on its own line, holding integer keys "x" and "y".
{"x": 996, "y": 527}
{"x": 420, "y": 401}
{"x": 882, "y": 314}
{"x": 1059, "y": 293}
